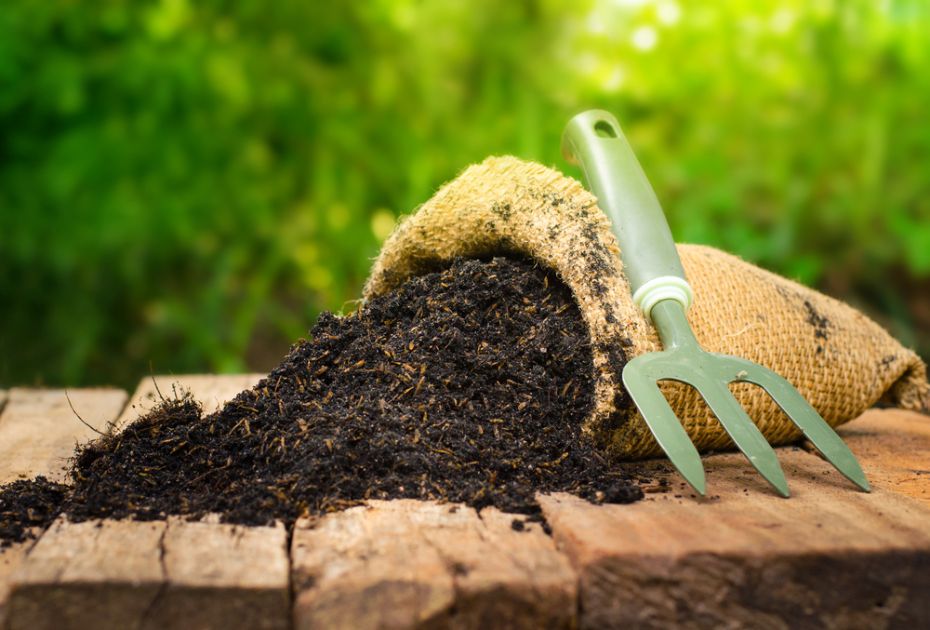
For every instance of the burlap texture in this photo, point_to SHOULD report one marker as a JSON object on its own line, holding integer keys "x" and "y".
{"x": 840, "y": 360}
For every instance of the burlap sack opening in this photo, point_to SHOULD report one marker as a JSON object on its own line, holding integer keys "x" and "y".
{"x": 840, "y": 360}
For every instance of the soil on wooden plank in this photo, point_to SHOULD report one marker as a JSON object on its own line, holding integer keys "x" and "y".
{"x": 466, "y": 385}
{"x": 28, "y": 504}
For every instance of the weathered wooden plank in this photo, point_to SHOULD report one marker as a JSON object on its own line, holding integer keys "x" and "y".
{"x": 223, "y": 576}
{"x": 38, "y": 432}
{"x": 97, "y": 574}
{"x": 210, "y": 390}
{"x": 201, "y": 573}
{"x": 894, "y": 448}
{"x": 129, "y": 574}
{"x": 11, "y": 558}
{"x": 364, "y": 569}
{"x": 400, "y": 564}
{"x": 828, "y": 556}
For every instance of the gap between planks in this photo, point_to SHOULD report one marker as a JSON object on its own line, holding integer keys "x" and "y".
{"x": 155, "y": 574}
{"x": 121, "y": 573}
{"x": 412, "y": 564}
{"x": 717, "y": 544}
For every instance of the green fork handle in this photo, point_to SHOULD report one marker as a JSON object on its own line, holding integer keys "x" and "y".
{"x": 594, "y": 140}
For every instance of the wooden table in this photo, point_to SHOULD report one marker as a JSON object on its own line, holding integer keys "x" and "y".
{"x": 828, "y": 557}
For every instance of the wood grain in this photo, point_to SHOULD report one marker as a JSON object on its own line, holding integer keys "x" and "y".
{"x": 39, "y": 430}
{"x": 97, "y": 574}
{"x": 222, "y": 576}
{"x": 828, "y": 556}
{"x": 38, "y": 433}
{"x": 894, "y": 448}
{"x": 115, "y": 574}
{"x": 403, "y": 564}
{"x": 11, "y": 558}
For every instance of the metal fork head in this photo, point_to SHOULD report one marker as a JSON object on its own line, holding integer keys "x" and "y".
{"x": 710, "y": 374}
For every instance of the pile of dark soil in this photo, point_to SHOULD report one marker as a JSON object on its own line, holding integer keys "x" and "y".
{"x": 466, "y": 385}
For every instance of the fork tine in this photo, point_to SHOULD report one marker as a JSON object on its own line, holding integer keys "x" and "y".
{"x": 814, "y": 427}
{"x": 745, "y": 433}
{"x": 665, "y": 426}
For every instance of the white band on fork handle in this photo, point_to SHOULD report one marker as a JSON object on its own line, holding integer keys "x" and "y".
{"x": 663, "y": 288}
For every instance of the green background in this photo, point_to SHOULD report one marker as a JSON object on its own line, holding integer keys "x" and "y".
{"x": 184, "y": 186}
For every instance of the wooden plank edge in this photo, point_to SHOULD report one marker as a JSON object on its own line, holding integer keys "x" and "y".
{"x": 153, "y": 574}
{"x": 13, "y": 557}
{"x": 122, "y": 600}
{"x": 408, "y": 563}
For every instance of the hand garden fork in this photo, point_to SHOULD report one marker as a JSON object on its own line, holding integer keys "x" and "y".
{"x": 657, "y": 279}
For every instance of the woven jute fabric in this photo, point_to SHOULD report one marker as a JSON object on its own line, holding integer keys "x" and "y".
{"x": 840, "y": 360}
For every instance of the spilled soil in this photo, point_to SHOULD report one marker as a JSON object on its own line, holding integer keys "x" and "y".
{"x": 468, "y": 385}
{"x": 28, "y": 504}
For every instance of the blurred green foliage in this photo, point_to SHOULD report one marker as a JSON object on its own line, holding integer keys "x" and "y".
{"x": 186, "y": 185}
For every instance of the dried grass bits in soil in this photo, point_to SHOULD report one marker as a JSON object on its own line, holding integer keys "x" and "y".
{"x": 469, "y": 384}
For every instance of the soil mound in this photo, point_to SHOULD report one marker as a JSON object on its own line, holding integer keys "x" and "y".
{"x": 469, "y": 384}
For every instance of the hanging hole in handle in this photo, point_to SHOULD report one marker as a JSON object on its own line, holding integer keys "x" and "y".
{"x": 604, "y": 129}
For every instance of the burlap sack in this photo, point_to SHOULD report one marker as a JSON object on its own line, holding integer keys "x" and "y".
{"x": 841, "y": 361}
